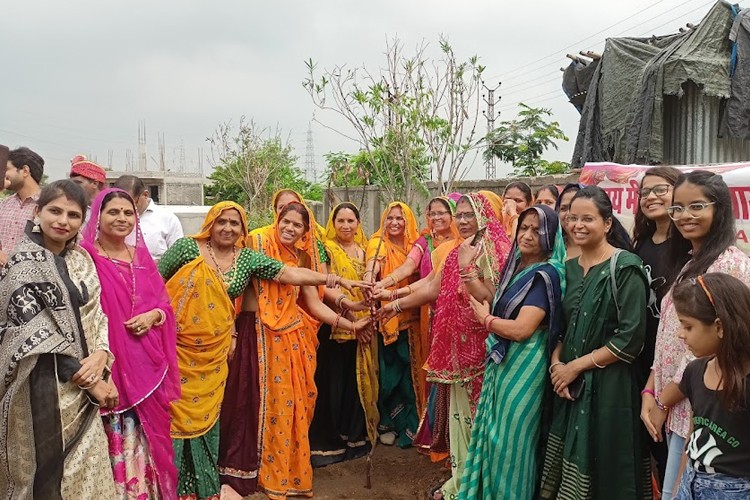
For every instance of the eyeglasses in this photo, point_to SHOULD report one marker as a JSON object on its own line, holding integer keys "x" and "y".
{"x": 437, "y": 215}
{"x": 574, "y": 219}
{"x": 658, "y": 190}
{"x": 467, "y": 216}
{"x": 695, "y": 210}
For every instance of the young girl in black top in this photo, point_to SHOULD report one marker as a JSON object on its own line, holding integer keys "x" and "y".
{"x": 714, "y": 312}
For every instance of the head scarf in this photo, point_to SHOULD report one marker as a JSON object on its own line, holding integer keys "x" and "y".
{"x": 457, "y": 352}
{"x": 79, "y": 165}
{"x": 515, "y": 283}
{"x": 214, "y": 213}
{"x": 392, "y": 256}
{"x": 143, "y": 363}
{"x": 278, "y": 302}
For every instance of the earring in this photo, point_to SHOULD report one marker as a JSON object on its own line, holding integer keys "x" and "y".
{"x": 36, "y": 228}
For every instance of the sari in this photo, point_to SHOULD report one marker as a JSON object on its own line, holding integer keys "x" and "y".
{"x": 52, "y": 443}
{"x": 401, "y": 394}
{"x": 457, "y": 352}
{"x": 597, "y": 443}
{"x": 346, "y": 413}
{"x": 145, "y": 374}
{"x": 504, "y": 453}
{"x": 203, "y": 342}
{"x": 287, "y": 341}
{"x": 425, "y": 256}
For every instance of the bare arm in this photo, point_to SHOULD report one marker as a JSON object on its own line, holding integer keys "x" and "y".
{"x": 324, "y": 313}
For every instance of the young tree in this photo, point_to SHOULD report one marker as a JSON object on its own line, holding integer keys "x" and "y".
{"x": 250, "y": 164}
{"x": 523, "y": 141}
{"x": 415, "y": 117}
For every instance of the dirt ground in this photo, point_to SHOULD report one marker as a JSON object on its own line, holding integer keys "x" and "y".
{"x": 397, "y": 474}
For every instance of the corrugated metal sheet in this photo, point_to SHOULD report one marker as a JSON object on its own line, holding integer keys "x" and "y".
{"x": 691, "y": 131}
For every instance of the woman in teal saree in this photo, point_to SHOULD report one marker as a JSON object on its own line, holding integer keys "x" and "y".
{"x": 503, "y": 460}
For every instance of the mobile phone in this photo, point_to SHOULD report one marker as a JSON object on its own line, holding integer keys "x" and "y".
{"x": 478, "y": 236}
{"x": 575, "y": 388}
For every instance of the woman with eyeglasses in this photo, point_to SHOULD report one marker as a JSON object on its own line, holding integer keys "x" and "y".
{"x": 597, "y": 447}
{"x": 562, "y": 207}
{"x": 651, "y": 241}
{"x": 399, "y": 350}
{"x": 702, "y": 213}
{"x": 441, "y": 230}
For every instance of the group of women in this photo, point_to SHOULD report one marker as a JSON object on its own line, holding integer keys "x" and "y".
{"x": 514, "y": 336}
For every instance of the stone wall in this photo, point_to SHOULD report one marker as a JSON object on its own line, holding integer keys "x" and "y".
{"x": 371, "y": 202}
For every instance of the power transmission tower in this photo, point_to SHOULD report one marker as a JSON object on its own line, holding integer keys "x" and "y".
{"x": 489, "y": 113}
{"x": 310, "y": 173}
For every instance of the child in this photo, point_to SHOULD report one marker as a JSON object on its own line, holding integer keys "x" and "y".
{"x": 714, "y": 313}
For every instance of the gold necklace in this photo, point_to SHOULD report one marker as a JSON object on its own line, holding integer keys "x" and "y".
{"x": 597, "y": 261}
{"x": 232, "y": 269}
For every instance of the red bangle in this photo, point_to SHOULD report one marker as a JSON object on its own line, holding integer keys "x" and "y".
{"x": 489, "y": 326}
{"x": 648, "y": 391}
{"x": 484, "y": 321}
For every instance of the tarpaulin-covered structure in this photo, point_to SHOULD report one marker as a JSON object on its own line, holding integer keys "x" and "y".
{"x": 666, "y": 99}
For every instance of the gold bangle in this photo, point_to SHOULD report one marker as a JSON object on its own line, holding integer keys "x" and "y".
{"x": 594, "y": 360}
{"x": 409, "y": 290}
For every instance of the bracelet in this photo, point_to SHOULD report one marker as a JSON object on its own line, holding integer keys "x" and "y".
{"x": 394, "y": 280}
{"x": 554, "y": 365}
{"x": 489, "y": 327}
{"x": 660, "y": 405}
{"x": 333, "y": 281}
{"x": 162, "y": 317}
{"x": 90, "y": 386}
{"x": 594, "y": 361}
{"x": 397, "y": 306}
{"x": 408, "y": 290}
{"x": 484, "y": 320}
{"x": 336, "y": 322}
{"x": 648, "y": 391}
{"x": 340, "y": 302}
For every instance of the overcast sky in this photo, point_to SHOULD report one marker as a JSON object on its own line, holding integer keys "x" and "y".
{"x": 79, "y": 75}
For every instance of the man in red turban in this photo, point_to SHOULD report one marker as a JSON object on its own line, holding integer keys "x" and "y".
{"x": 90, "y": 176}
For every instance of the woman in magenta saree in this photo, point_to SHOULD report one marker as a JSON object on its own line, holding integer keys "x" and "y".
{"x": 142, "y": 338}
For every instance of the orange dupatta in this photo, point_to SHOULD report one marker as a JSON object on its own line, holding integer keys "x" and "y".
{"x": 390, "y": 257}
{"x": 203, "y": 340}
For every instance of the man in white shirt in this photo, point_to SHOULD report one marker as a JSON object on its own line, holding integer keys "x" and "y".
{"x": 160, "y": 227}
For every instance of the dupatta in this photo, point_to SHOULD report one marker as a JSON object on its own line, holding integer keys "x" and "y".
{"x": 203, "y": 338}
{"x": 143, "y": 363}
{"x": 515, "y": 285}
{"x": 457, "y": 352}
{"x": 42, "y": 345}
{"x": 391, "y": 256}
{"x": 277, "y": 303}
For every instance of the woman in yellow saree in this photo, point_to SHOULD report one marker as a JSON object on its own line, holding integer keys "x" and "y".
{"x": 288, "y": 319}
{"x": 204, "y": 274}
{"x": 399, "y": 346}
{"x": 346, "y": 413}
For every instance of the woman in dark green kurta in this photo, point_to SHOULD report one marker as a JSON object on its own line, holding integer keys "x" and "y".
{"x": 597, "y": 447}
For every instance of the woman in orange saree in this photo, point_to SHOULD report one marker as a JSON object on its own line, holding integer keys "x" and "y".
{"x": 287, "y": 324}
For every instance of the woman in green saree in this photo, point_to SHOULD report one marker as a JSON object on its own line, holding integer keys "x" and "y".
{"x": 596, "y": 447}
{"x": 503, "y": 459}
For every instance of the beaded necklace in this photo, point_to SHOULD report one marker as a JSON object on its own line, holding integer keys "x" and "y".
{"x": 132, "y": 273}
{"x": 232, "y": 269}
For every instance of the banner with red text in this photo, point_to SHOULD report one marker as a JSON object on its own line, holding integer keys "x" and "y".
{"x": 622, "y": 182}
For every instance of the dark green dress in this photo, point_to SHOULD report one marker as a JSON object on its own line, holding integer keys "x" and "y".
{"x": 597, "y": 447}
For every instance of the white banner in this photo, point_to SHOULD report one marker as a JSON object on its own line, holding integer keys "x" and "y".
{"x": 622, "y": 182}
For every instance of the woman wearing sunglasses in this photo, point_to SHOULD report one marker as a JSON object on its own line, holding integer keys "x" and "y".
{"x": 702, "y": 213}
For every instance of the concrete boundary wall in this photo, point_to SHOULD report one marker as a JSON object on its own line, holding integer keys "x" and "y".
{"x": 371, "y": 202}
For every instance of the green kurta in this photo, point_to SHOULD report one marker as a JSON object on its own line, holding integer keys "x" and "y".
{"x": 597, "y": 445}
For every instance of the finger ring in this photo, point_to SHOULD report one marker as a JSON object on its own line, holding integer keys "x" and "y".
{"x": 92, "y": 377}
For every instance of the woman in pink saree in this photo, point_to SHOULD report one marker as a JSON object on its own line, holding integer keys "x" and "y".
{"x": 142, "y": 338}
